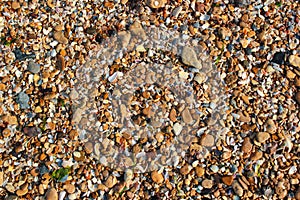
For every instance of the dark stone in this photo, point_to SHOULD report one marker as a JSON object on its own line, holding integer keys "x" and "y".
{"x": 278, "y": 58}
{"x": 99, "y": 38}
{"x": 91, "y": 30}
{"x": 21, "y": 56}
{"x": 31, "y": 131}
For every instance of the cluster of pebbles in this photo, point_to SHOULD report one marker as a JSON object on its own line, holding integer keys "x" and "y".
{"x": 254, "y": 47}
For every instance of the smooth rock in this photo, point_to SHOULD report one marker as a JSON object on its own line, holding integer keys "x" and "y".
{"x": 207, "y": 140}
{"x": 177, "y": 128}
{"x": 1, "y": 178}
{"x": 88, "y": 147}
{"x": 297, "y": 195}
{"x": 111, "y": 181}
{"x": 51, "y": 194}
{"x": 237, "y": 188}
{"x": 186, "y": 116}
{"x": 214, "y": 168}
{"x": 70, "y": 188}
{"x": 157, "y": 177}
{"x": 199, "y": 171}
{"x": 278, "y": 58}
{"x": 270, "y": 126}
{"x": 256, "y": 155}
{"x": 33, "y": 67}
{"x": 294, "y": 60}
{"x": 189, "y": 57}
{"x": 297, "y": 97}
{"x": 22, "y": 100}
{"x": 15, "y": 5}
{"x": 200, "y": 77}
{"x": 59, "y": 36}
{"x": 207, "y": 183}
{"x": 60, "y": 62}
{"x": 228, "y": 179}
{"x": 184, "y": 170}
{"x": 262, "y": 137}
{"x": 247, "y": 145}
{"x": 156, "y": 3}
{"x": 128, "y": 176}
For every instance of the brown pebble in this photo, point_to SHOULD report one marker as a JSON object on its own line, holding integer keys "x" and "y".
{"x": 228, "y": 179}
{"x": 297, "y": 97}
{"x": 157, "y": 177}
{"x": 185, "y": 169}
{"x": 173, "y": 115}
{"x": 199, "y": 171}
{"x": 207, "y": 183}
{"x": 60, "y": 62}
{"x": 111, "y": 181}
{"x": 256, "y": 155}
{"x": 59, "y": 36}
{"x": 1, "y": 178}
{"x": 262, "y": 137}
{"x": 247, "y": 145}
{"x": 6, "y": 132}
{"x": 23, "y": 190}
{"x": 51, "y": 194}
{"x": 297, "y": 195}
{"x": 70, "y": 188}
{"x": 89, "y": 147}
{"x": 15, "y": 5}
{"x": 207, "y": 140}
{"x": 58, "y": 27}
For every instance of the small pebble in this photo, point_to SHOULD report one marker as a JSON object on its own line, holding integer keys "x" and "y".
{"x": 51, "y": 194}
{"x": 262, "y": 137}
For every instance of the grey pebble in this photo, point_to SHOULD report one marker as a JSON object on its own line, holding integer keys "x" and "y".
{"x": 22, "y": 100}
{"x": 33, "y": 67}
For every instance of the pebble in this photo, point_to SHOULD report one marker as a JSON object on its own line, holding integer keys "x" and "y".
{"x": 214, "y": 168}
{"x": 270, "y": 126}
{"x": 262, "y": 137}
{"x": 173, "y": 115}
{"x": 247, "y": 145}
{"x": 237, "y": 188}
{"x": 294, "y": 60}
{"x": 290, "y": 74}
{"x": 111, "y": 181}
{"x": 59, "y": 36}
{"x": 128, "y": 175}
{"x": 23, "y": 190}
{"x": 186, "y": 116}
{"x": 200, "y": 78}
{"x": 189, "y": 57}
{"x": 297, "y": 195}
{"x": 297, "y": 97}
{"x": 89, "y": 147}
{"x": 52, "y": 194}
{"x": 70, "y": 188}
{"x": 228, "y": 179}
{"x": 278, "y": 58}
{"x": 15, "y": 5}
{"x": 207, "y": 140}
{"x": 33, "y": 67}
{"x": 207, "y": 183}
{"x": 23, "y": 100}
{"x": 156, "y": 3}
{"x": 184, "y": 170}
{"x": 177, "y": 128}
{"x": 157, "y": 177}
{"x": 1, "y": 178}
{"x": 256, "y": 155}
{"x": 60, "y": 62}
{"x": 200, "y": 171}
